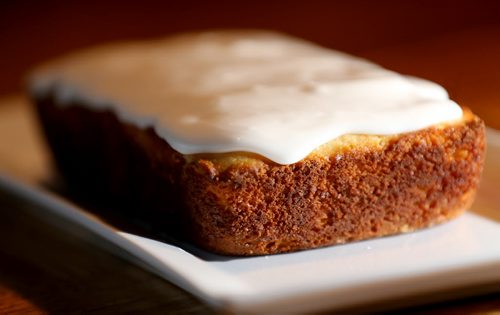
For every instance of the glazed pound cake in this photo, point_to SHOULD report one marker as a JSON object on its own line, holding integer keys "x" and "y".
{"x": 253, "y": 142}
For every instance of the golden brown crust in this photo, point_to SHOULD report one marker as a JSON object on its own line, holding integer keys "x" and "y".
{"x": 356, "y": 188}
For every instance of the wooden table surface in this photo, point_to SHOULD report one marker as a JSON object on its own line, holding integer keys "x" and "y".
{"x": 46, "y": 268}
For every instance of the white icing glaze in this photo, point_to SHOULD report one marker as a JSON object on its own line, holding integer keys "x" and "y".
{"x": 254, "y": 91}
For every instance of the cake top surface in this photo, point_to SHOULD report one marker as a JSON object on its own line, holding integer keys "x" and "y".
{"x": 252, "y": 91}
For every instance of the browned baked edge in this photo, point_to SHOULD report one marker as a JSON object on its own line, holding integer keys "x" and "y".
{"x": 254, "y": 206}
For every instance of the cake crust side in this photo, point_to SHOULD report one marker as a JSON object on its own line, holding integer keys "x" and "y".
{"x": 417, "y": 180}
{"x": 241, "y": 204}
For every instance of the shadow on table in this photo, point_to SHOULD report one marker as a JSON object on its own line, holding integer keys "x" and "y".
{"x": 125, "y": 218}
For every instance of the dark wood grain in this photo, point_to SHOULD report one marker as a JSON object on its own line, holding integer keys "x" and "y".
{"x": 59, "y": 268}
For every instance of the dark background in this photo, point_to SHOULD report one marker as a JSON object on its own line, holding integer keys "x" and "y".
{"x": 33, "y": 31}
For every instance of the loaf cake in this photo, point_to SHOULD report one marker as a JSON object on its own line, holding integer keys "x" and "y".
{"x": 253, "y": 142}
